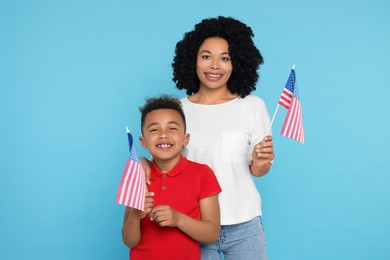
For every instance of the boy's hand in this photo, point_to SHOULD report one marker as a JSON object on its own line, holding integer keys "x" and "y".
{"x": 147, "y": 208}
{"x": 149, "y": 201}
{"x": 165, "y": 216}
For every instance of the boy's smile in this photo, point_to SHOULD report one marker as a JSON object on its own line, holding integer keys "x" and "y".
{"x": 163, "y": 146}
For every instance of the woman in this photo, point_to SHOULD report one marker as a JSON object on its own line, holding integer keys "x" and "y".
{"x": 216, "y": 63}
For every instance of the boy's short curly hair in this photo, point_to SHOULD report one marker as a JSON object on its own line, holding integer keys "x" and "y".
{"x": 246, "y": 58}
{"x": 161, "y": 102}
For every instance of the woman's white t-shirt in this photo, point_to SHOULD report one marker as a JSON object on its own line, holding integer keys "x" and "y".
{"x": 223, "y": 136}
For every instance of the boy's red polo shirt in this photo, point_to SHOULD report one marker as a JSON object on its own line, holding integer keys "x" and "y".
{"x": 181, "y": 188}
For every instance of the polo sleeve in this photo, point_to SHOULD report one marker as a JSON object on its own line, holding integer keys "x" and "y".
{"x": 209, "y": 185}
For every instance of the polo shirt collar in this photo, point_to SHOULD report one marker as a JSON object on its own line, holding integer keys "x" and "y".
{"x": 179, "y": 167}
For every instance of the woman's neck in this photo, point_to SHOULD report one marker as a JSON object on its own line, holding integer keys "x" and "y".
{"x": 212, "y": 97}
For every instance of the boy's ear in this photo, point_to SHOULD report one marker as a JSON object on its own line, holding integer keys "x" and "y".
{"x": 142, "y": 141}
{"x": 186, "y": 139}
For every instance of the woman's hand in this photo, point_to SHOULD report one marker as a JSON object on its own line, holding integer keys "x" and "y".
{"x": 146, "y": 166}
{"x": 262, "y": 155}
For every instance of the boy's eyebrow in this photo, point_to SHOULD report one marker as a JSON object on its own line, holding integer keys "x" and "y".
{"x": 156, "y": 123}
{"x": 152, "y": 124}
{"x": 174, "y": 122}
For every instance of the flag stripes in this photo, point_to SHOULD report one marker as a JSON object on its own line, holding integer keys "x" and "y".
{"x": 132, "y": 186}
{"x": 293, "y": 124}
{"x": 286, "y": 98}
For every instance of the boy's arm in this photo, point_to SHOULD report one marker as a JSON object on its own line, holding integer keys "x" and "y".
{"x": 205, "y": 230}
{"x": 131, "y": 230}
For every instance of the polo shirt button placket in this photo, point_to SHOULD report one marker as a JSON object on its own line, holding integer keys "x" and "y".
{"x": 163, "y": 193}
{"x": 163, "y": 186}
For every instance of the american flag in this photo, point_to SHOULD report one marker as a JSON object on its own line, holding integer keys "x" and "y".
{"x": 132, "y": 187}
{"x": 293, "y": 123}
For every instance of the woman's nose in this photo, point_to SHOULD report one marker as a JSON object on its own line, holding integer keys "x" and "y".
{"x": 214, "y": 65}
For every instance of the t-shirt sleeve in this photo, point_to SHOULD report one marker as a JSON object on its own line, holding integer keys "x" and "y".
{"x": 261, "y": 124}
{"x": 209, "y": 185}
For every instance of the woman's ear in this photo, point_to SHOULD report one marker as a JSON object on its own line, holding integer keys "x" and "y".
{"x": 186, "y": 139}
{"x": 142, "y": 141}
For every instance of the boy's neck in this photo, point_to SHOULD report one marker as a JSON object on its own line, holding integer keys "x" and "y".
{"x": 167, "y": 165}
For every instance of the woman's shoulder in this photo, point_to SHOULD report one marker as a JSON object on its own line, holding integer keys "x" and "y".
{"x": 252, "y": 100}
{"x": 185, "y": 101}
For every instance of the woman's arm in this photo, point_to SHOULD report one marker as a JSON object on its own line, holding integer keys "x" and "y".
{"x": 262, "y": 155}
{"x": 205, "y": 230}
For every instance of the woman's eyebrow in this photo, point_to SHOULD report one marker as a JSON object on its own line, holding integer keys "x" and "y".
{"x": 222, "y": 53}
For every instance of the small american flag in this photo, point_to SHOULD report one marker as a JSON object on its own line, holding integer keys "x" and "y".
{"x": 132, "y": 187}
{"x": 293, "y": 123}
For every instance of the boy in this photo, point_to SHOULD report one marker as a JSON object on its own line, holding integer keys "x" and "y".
{"x": 182, "y": 199}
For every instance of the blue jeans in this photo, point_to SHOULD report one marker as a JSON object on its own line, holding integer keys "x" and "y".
{"x": 244, "y": 241}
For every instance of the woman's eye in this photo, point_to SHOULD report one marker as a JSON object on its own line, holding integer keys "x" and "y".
{"x": 225, "y": 58}
{"x": 205, "y": 57}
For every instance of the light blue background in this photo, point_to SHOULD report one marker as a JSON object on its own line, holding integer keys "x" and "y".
{"x": 73, "y": 74}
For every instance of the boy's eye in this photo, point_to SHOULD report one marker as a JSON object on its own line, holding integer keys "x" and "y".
{"x": 152, "y": 130}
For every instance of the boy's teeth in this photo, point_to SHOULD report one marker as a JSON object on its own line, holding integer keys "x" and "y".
{"x": 165, "y": 145}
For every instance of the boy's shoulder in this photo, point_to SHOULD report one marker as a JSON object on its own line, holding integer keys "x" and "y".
{"x": 196, "y": 165}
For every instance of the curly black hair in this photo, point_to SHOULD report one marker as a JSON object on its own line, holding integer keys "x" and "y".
{"x": 161, "y": 102}
{"x": 246, "y": 58}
